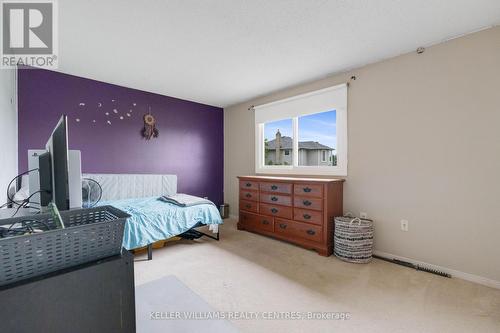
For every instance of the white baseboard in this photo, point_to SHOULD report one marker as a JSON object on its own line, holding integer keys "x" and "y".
{"x": 454, "y": 273}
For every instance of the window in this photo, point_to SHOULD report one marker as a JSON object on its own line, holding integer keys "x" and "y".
{"x": 305, "y": 134}
{"x": 278, "y": 142}
{"x": 317, "y": 138}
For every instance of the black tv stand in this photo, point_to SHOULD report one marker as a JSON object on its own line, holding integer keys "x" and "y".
{"x": 94, "y": 297}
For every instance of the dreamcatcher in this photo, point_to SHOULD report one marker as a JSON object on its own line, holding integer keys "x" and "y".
{"x": 149, "y": 131}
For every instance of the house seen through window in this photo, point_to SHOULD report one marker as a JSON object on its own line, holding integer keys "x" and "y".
{"x": 317, "y": 140}
{"x": 278, "y": 142}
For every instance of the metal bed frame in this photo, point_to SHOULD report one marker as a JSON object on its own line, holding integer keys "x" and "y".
{"x": 191, "y": 234}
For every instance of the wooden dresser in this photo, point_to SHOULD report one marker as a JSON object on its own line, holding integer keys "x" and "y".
{"x": 298, "y": 210}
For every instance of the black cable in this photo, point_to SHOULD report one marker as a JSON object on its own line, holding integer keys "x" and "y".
{"x": 45, "y": 224}
{"x": 17, "y": 210}
{"x": 34, "y": 205}
{"x": 26, "y": 226}
{"x": 15, "y": 222}
{"x": 11, "y": 200}
{"x": 37, "y": 222}
{"x": 27, "y": 201}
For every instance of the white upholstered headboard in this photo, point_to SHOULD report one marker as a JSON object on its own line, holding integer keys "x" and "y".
{"x": 124, "y": 186}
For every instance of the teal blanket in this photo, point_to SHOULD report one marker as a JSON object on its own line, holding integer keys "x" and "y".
{"x": 153, "y": 220}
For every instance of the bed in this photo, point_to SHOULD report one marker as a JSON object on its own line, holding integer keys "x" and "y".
{"x": 152, "y": 219}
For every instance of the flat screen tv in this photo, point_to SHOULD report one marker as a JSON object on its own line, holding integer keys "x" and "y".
{"x": 54, "y": 168}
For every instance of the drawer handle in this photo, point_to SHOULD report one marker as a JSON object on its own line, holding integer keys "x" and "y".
{"x": 274, "y": 210}
{"x": 283, "y": 226}
{"x": 248, "y": 184}
{"x": 307, "y": 189}
{"x": 307, "y": 203}
{"x": 274, "y": 199}
{"x": 307, "y": 216}
{"x": 266, "y": 222}
{"x": 274, "y": 187}
{"x": 248, "y": 195}
{"x": 248, "y": 206}
{"x": 311, "y": 232}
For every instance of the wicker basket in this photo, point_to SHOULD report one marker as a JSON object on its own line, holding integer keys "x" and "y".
{"x": 90, "y": 234}
{"x": 353, "y": 239}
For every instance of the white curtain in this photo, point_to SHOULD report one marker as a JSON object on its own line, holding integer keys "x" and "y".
{"x": 332, "y": 98}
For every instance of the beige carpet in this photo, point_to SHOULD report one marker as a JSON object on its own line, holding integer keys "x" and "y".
{"x": 169, "y": 295}
{"x": 248, "y": 272}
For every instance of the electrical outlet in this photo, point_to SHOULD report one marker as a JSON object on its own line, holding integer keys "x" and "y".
{"x": 363, "y": 215}
{"x": 404, "y": 225}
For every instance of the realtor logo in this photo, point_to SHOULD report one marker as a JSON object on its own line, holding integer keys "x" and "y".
{"x": 29, "y": 34}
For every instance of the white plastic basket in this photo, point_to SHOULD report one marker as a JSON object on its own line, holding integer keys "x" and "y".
{"x": 353, "y": 239}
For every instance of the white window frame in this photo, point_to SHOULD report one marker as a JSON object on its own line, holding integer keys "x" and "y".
{"x": 323, "y": 156}
{"x": 332, "y": 98}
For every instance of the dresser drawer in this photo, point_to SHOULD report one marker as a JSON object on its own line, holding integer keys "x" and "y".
{"x": 297, "y": 229}
{"x": 274, "y": 210}
{"x": 310, "y": 190}
{"x": 247, "y": 219}
{"x": 249, "y": 195}
{"x": 308, "y": 203}
{"x": 276, "y": 199}
{"x": 309, "y": 216}
{"x": 265, "y": 223}
{"x": 250, "y": 206}
{"x": 249, "y": 185}
{"x": 256, "y": 222}
{"x": 276, "y": 187}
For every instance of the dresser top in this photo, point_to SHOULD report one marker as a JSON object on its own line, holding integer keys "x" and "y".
{"x": 293, "y": 179}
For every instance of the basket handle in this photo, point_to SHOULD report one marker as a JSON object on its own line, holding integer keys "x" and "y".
{"x": 356, "y": 219}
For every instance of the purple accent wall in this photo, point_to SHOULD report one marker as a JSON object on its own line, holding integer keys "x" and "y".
{"x": 190, "y": 144}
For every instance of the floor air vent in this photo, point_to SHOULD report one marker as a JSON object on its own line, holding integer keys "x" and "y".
{"x": 417, "y": 267}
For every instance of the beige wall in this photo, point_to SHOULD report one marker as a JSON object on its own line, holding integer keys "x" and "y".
{"x": 8, "y": 130}
{"x": 424, "y": 145}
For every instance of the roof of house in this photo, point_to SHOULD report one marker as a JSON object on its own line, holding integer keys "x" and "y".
{"x": 287, "y": 143}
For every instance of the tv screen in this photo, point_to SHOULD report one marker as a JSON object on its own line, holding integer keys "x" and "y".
{"x": 57, "y": 148}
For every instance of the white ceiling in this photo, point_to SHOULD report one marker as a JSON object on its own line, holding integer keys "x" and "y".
{"x": 221, "y": 52}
